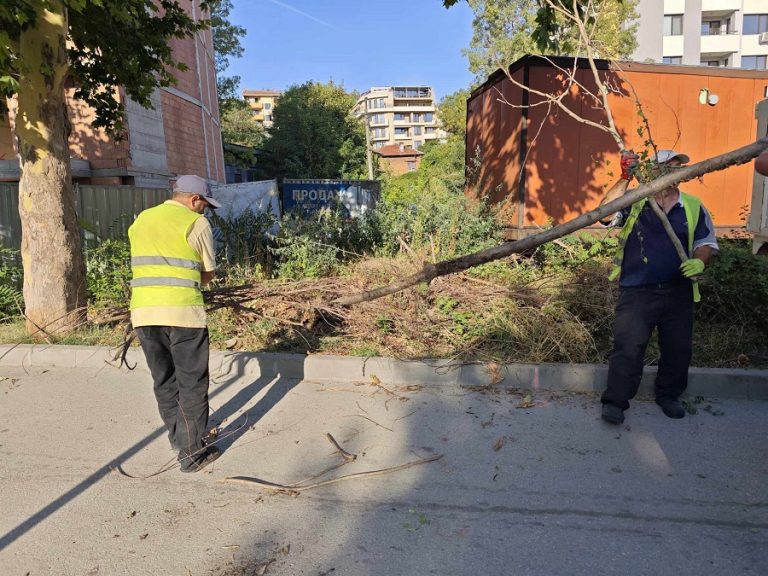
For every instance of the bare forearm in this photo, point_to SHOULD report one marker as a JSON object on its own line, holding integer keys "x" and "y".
{"x": 206, "y": 277}
{"x": 704, "y": 253}
{"x": 614, "y": 192}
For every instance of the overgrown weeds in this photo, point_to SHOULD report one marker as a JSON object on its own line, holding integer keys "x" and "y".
{"x": 275, "y": 289}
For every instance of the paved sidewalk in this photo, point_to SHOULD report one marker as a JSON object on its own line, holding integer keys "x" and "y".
{"x": 541, "y": 490}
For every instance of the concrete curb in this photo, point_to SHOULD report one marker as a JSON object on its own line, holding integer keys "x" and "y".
{"x": 712, "y": 382}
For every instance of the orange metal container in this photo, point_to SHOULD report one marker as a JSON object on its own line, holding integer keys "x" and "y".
{"x": 548, "y": 167}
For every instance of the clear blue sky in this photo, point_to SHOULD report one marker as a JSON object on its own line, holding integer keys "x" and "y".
{"x": 360, "y": 43}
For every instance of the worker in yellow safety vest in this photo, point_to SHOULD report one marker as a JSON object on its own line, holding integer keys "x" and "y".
{"x": 656, "y": 290}
{"x": 172, "y": 257}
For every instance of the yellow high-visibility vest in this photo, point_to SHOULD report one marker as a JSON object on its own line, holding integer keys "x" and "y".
{"x": 691, "y": 205}
{"x": 166, "y": 270}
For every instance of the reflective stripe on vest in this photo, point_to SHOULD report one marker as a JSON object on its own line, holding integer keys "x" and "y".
{"x": 165, "y": 261}
{"x": 692, "y": 207}
{"x": 160, "y": 281}
{"x": 166, "y": 269}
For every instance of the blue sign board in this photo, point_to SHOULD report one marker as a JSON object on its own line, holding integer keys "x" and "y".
{"x": 353, "y": 197}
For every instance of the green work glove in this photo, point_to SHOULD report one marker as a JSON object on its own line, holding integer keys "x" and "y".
{"x": 692, "y": 268}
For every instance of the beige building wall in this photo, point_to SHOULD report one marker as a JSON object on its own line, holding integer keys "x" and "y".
{"x": 262, "y": 103}
{"x": 399, "y": 115}
{"x": 731, "y": 33}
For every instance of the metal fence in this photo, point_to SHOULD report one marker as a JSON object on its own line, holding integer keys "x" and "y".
{"x": 103, "y": 211}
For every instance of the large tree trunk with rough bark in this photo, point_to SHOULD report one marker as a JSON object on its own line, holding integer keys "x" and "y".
{"x": 54, "y": 272}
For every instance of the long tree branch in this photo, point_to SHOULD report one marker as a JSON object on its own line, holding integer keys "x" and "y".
{"x": 430, "y": 271}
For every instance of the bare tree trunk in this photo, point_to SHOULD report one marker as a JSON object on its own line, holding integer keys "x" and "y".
{"x": 431, "y": 271}
{"x": 54, "y": 273}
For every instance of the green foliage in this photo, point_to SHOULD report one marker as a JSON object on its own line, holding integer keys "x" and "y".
{"x": 316, "y": 245}
{"x": 226, "y": 43}
{"x": 245, "y": 240}
{"x": 10, "y": 283}
{"x": 735, "y": 287}
{"x": 314, "y": 134}
{"x": 240, "y": 133}
{"x": 108, "y": 270}
{"x": 504, "y": 30}
{"x": 452, "y": 111}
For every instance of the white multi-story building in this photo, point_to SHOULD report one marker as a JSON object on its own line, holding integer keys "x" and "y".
{"x": 399, "y": 115}
{"x": 703, "y": 32}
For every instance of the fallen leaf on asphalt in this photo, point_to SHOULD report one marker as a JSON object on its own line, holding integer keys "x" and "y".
{"x": 375, "y": 380}
{"x": 616, "y": 469}
{"x": 132, "y": 514}
{"x": 144, "y": 536}
{"x": 527, "y": 402}
{"x": 285, "y": 550}
{"x": 499, "y": 444}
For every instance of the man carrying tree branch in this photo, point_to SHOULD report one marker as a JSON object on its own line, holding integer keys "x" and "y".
{"x": 656, "y": 289}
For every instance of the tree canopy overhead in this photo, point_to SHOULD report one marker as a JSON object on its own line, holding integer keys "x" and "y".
{"x": 505, "y": 30}
{"x": 111, "y": 44}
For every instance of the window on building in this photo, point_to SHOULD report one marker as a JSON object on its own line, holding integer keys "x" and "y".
{"x": 399, "y": 117}
{"x": 673, "y": 60}
{"x": 417, "y": 130}
{"x": 712, "y": 63}
{"x": 754, "y": 62}
{"x": 268, "y": 117}
{"x": 267, "y": 106}
{"x": 755, "y": 23}
{"x": 428, "y": 117}
{"x": 673, "y": 25}
{"x": 377, "y": 145}
{"x": 411, "y": 166}
{"x": 378, "y": 119}
{"x": 417, "y": 144}
{"x": 401, "y": 131}
{"x": 429, "y": 130}
{"x": 379, "y": 132}
{"x": 711, "y": 28}
{"x": 415, "y": 117}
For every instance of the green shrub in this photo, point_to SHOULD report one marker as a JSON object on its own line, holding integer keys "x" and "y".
{"x": 108, "y": 269}
{"x": 10, "y": 283}
{"x": 316, "y": 245}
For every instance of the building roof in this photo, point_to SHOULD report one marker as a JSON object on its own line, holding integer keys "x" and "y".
{"x": 567, "y": 62}
{"x": 395, "y": 150}
{"x": 261, "y": 93}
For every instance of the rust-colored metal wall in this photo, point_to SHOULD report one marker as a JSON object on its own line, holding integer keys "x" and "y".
{"x": 569, "y": 165}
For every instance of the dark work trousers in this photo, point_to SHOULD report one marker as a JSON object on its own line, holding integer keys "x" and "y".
{"x": 178, "y": 361}
{"x": 638, "y": 312}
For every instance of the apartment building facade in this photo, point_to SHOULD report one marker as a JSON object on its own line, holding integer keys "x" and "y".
{"x": 396, "y": 115}
{"x": 262, "y": 104}
{"x": 731, "y": 33}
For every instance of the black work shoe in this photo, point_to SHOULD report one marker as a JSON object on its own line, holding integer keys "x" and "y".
{"x": 671, "y": 407}
{"x": 199, "y": 461}
{"x": 613, "y": 414}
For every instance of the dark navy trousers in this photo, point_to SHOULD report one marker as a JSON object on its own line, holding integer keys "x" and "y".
{"x": 667, "y": 308}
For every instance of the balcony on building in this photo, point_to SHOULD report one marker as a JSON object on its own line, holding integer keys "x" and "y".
{"x": 256, "y": 105}
{"x": 721, "y": 43}
{"x": 716, "y": 58}
{"x": 412, "y": 93}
